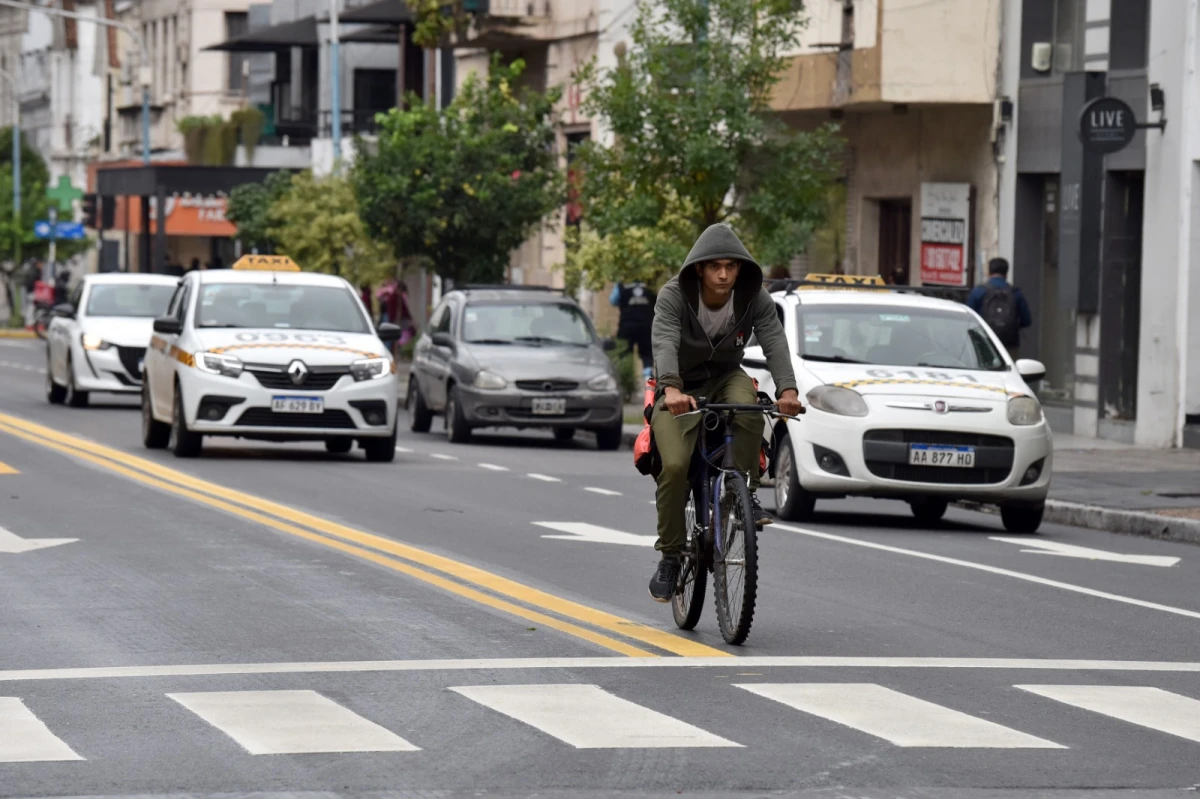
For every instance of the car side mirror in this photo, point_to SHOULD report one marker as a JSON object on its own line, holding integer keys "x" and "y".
{"x": 443, "y": 340}
{"x": 1031, "y": 370}
{"x": 389, "y": 333}
{"x": 608, "y": 344}
{"x": 169, "y": 325}
{"x": 65, "y": 310}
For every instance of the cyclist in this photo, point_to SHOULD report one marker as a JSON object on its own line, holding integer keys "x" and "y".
{"x": 703, "y": 319}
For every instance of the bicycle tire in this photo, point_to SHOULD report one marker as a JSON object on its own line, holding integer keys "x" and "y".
{"x": 41, "y": 324}
{"x": 735, "y": 613}
{"x": 687, "y": 603}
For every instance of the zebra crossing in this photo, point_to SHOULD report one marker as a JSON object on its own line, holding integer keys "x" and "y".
{"x": 589, "y": 716}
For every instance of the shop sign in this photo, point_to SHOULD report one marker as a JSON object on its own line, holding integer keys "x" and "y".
{"x": 945, "y": 233}
{"x": 1106, "y": 125}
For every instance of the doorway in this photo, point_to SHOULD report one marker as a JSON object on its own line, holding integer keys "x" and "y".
{"x": 895, "y": 240}
{"x": 1056, "y": 325}
{"x": 1120, "y": 294}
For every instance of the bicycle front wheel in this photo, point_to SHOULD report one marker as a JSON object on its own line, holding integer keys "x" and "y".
{"x": 735, "y": 562}
{"x": 688, "y": 602}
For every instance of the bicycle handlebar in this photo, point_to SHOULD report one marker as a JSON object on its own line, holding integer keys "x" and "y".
{"x": 770, "y": 408}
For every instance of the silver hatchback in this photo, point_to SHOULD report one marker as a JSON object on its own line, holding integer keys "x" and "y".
{"x": 514, "y": 356}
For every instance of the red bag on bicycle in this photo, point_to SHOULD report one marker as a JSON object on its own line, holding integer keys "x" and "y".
{"x": 645, "y": 455}
{"x": 43, "y": 292}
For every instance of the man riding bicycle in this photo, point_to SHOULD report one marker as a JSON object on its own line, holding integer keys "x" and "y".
{"x": 703, "y": 319}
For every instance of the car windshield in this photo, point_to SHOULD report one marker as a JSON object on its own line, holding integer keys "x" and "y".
{"x": 139, "y": 300}
{"x": 526, "y": 323}
{"x": 896, "y": 336}
{"x": 270, "y": 305}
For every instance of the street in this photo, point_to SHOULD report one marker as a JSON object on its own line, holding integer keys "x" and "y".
{"x": 473, "y": 619}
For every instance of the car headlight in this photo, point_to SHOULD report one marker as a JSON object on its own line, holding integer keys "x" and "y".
{"x": 602, "y": 382}
{"x": 93, "y": 342}
{"x": 371, "y": 369}
{"x": 216, "y": 364}
{"x": 489, "y": 380}
{"x": 838, "y": 400}
{"x": 1024, "y": 411}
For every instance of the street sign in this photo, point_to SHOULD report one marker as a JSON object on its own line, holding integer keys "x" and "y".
{"x": 64, "y": 194}
{"x": 44, "y": 229}
{"x": 1106, "y": 125}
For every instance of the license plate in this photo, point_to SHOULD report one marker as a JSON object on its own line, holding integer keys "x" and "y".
{"x": 549, "y": 407}
{"x": 934, "y": 455}
{"x": 298, "y": 404}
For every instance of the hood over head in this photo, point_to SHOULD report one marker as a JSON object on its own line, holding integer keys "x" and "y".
{"x": 719, "y": 241}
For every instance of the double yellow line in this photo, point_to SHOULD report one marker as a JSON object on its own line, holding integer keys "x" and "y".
{"x": 461, "y": 579}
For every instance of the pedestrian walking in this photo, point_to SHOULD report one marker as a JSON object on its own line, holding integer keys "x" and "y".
{"x": 636, "y": 304}
{"x": 778, "y": 277}
{"x": 1002, "y": 306}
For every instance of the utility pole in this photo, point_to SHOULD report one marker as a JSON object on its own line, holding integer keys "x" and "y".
{"x": 335, "y": 88}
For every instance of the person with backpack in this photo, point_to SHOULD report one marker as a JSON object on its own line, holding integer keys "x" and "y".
{"x": 636, "y": 303}
{"x": 1002, "y": 306}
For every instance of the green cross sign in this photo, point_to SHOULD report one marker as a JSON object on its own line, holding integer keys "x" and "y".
{"x": 64, "y": 194}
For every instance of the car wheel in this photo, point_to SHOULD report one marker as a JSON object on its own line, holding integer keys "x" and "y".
{"x": 1022, "y": 518}
{"x": 928, "y": 511}
{"x": 183, "y": 442}
{"x": 420, "y": 418}
{"x": 457, "y": 428}
{"x": 338, "y": 446}
{"x": 155, "y": 434}
{"x": 380, "y": 450}
{"x": 792, "y": 502}
{"x": 75, "y": 397}
{"x": 55, "y": 393}
{"x": 564, "y": 434}
{"x": 609, "y": 438}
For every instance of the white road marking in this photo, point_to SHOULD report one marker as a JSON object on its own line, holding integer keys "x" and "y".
{"x": 901, "y": 719}
{"x": 509, "y": 664}
{"x": 1147, "y": 707}
{"x": 403, "y": 449}
{"x": 545, "y": 478}
{"x": 592, "y": 534}
{"x": 588, "y": 717}
{"x": 1041, "y": 547}
{"x": 603, "y": 491}
{"x": 493, "y": 467}
{"x": 439, "y": 456}
{"x": 25, "y": 739}
{"x": 290, "y": 722}
{"x": 11, "y": 543}
{"x": 1032, "y": 578}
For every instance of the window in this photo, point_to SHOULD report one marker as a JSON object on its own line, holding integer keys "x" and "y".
{"x": 141, "y": 300}
{"x": 237, "y": 23}
{"x": 526, "y": 323}
{"x": 1069, "y": 16}
{"x": 280, "y": 306}
{"x": 185, "y": 298}
{"x": 440, "y": 321}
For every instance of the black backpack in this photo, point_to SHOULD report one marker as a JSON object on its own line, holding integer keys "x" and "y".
{"x": 1000, "y": 312}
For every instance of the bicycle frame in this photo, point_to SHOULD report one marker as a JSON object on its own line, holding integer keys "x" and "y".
{"x": 711, "y": 478}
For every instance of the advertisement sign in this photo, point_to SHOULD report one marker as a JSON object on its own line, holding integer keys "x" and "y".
{"x": 1107, "y": 125}
{"x": 945, "y": 233}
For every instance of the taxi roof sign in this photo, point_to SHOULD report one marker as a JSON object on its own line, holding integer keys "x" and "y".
{"x": 823, "y": 282}
{"x": 266, "y": 263}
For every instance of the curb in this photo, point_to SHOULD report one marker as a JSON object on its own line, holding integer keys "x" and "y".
{"x": 1110, "y": 520}
{"x": 10, "y": 333}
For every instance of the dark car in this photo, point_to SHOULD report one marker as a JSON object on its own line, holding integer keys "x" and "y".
{"x": 514, "y": 356}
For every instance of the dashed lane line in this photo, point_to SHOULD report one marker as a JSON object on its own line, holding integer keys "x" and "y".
{"x": 492, "y": 467}
{"x": 602, "y": 491}
{"x": 442, "y": 456}
{"x": 545, "y": 478}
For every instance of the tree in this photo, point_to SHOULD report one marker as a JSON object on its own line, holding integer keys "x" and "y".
{"x": 316, "y": 221}
{"x": 689, "y": 107}
{"x": 35, "y": 205}
{"x": 249, "y": 208}
{"x": 463, "y": 187}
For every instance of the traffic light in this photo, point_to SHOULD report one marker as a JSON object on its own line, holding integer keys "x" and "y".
{"x": 89, "y": 211}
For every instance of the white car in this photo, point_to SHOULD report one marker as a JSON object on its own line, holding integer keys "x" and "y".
{"x": 264, "y": 351}
{"x": 97, "y": 341}
{"x": 908, "y": 397}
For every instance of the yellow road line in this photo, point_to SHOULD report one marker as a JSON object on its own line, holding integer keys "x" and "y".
{"x": 366, "y": 554}
{"x": 470, "y": 574}
{"x": 6, "y": 469}
{"x": 16, "y": 333}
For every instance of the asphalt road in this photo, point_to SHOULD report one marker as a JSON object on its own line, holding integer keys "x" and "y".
{"x": 273, "y": 619}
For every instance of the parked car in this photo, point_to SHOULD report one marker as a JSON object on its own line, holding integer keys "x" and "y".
{"x": 514, "y": 356}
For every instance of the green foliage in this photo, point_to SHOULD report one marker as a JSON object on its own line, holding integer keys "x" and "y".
{"x": 627, "y": 375}
{"x": 650, "y": 253}
{"x": 463, "y": 187}
{"x": 249, "y": 207}
{"x": 209, "y": 141}
{"x": 35, "y": 178}
{"x": 696, "y": 141}
{"x": 437, "y": 19}
{"x": 249, "y": 122}
{"x": 317, "y": 222}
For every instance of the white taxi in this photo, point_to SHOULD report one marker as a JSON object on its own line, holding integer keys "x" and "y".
{"x": 264, "y": 351}
{"x": 908, "y": 397}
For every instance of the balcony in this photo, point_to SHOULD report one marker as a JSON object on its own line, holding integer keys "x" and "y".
{"x": 355, "y": 122}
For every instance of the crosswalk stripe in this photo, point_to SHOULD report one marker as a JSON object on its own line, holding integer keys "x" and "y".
{"x": 901, "y": 719}
{"x": 1147, "y": 707}
{"x": 443, "y": 457}
{"x": 588, "y": 717}
{"x": 290, "y": 722}
{"x": 25, "y": 739}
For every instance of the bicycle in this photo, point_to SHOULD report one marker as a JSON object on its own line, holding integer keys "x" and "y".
{"x": 730, "y": 549}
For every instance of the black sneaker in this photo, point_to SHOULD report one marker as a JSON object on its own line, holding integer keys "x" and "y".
{"x": 761, "y": 517}
{"x": 666, "y": 576}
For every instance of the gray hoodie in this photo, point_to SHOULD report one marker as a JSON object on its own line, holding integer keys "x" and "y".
{"x": 684, "y": 356}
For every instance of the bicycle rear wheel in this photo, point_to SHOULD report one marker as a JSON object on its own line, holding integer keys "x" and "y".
{"x": 688, "y": 602}
{"x": 735, "y": 562}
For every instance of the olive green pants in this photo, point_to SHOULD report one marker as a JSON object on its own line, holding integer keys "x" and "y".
{"x": 675, "y": 439}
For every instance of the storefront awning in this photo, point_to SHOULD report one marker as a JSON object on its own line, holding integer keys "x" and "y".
{"x": 301, "y": 33}
{"x": 375, "y": 34}
{"x": 148, "y": 181}
{"x": 381, "y": 12}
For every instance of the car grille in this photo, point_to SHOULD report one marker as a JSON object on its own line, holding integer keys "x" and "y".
{"x": 265, "y": 417}
{"x": 318, "y": 379}
{"x": 547, "y": 385}
{"x": 526, "y": 413}
{"x": 130, "y": 357}
{"x": 886, "y": 455}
